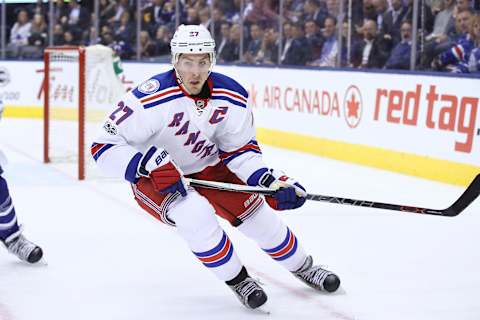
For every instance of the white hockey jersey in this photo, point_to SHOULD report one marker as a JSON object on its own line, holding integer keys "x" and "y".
{"x": 159, "y": 112}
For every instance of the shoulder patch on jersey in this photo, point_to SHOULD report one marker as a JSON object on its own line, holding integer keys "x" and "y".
{"x": 110, "y": 128}
{"x": 150, "y": 86}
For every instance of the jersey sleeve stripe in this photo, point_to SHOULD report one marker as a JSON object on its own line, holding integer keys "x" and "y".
{"x": 161, "y": 94}
{"x": 235, "y": 102}
{"x": 230, "y": 93}
{"x": 167, "y": 99}
{"x": 99, "y": 148}
{"x": 252, "y": 145}
{"x": 131, "y": 171}
{"x": 227, "y": 159}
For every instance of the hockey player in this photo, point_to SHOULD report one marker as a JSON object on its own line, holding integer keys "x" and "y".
{"x": 192, "y": 122}
{"x": 10, "y": 232}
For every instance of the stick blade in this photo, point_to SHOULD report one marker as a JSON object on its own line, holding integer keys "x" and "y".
{"x": 467, "y": 197}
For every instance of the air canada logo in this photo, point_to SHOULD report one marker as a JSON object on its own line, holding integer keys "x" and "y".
{"x": 352, "y": 106}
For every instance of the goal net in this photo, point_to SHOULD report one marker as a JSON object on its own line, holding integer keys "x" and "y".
{"x": 82, "y": 88}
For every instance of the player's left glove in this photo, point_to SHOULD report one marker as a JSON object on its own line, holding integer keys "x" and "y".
{"x": 164, "y": 175}
{"x": 289, "y": 195}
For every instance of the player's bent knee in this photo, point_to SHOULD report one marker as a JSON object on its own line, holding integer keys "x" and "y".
{"x": 194, "y": 217}
{"x": 264, "y": 224}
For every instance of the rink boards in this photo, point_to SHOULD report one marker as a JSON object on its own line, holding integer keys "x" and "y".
{"x": 417, "y": 124}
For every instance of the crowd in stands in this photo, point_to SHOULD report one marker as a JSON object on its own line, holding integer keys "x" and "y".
{"x": 379, "y": 34}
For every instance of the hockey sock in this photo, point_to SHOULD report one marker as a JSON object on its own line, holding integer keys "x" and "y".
{"x": 8, "y": 218}
{"x": 275, "y": 238}
{"x": 197, "y": 224}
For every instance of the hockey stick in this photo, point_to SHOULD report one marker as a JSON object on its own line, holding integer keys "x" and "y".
{"x": 467, "y": 197}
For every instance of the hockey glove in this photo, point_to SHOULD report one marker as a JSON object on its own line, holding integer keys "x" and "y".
{"x": 164, "y": 175}
{"x": 289, "y": 195}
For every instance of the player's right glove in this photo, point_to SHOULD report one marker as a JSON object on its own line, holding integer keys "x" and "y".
{"x": 289, "y": 195}
{"x": 164, "y": 175}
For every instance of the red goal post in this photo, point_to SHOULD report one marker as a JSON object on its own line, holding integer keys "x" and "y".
{"x": 81, "y": 85}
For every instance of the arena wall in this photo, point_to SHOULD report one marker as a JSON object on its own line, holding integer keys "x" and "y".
{"x": 424, "y": 125}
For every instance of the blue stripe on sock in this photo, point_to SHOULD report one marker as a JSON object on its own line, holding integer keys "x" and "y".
{"x": 221, "y": 261}
{"x": 215, "y": 250}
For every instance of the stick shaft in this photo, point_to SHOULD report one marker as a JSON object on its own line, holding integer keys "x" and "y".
{"x": 468, "y": 196}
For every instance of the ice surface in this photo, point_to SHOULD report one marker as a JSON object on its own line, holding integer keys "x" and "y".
{"x": 109, "y": 260}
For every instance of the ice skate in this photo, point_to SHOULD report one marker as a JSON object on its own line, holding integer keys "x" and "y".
{"x": 23, "y": 248}
{"x": 249, "y": 293}
{"x": 317, "y": 277}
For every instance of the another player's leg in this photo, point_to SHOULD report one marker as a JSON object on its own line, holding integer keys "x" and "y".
{"x": 11, "y": 233}
{"x": 278, "y": 241}
{"x": 197, "y": 224}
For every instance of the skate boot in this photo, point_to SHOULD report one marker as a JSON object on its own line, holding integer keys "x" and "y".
{"x": 248, "y": 291}
{"x": 317, "y": 277}
{"x": 24, "y": 249}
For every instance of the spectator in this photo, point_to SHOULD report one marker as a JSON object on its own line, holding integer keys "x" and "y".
{"x": 293, "y": 10}
{"x": 443, "y": 22}
{"x": 224, "y": 37}
{"x": 474, "y": 60}
{"x": 124, "y": 31}
{"x": 333, "y": 7}
{"x": 256, "y": 36}
{"x": 93, "y": 37}
{"x": 38, "y": 8}
{"x": 456, "y": 58}
{"x": 315, "y": 41}
{"x": 438, "y": 40}
{"x": 217, "y": 20}
{"x": 328, "y": 55}
{"x": 107, "y": 10}
{"x": 392, "y": 21}
{"x": 58, "y": 34}
{"x": 426, "y": 22}
{"x": 60, "y": 12}
{"x": 268, "y": 53}
{"x": 38, "y": 31}
{"x": 37, "y": 39}
{"x": 19, "y": 34}
{"x": 69, "y": 38}
{"x": 204, "y": 17}
{"x": 78, "y": 17}
{"x": 316, "y": 11}
{"x": 162, "y": 41}
{"x": 260, "y": 12}
{"x": 192, "y": 16}
{"x": 381, "y": 7}
{"x": 400, "y": 56}
{"x": 147, "y": 47}
{"x": 121, "y": 7}
{"x": 231, "y": 50}
{"x": 370, "y": 51}
{"x": 295, "y": 49}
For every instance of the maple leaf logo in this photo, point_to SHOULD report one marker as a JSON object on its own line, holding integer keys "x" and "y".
{"x": 352, "y": 106}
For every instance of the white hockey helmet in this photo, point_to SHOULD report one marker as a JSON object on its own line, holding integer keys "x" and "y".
{"x": 194, "y": 39}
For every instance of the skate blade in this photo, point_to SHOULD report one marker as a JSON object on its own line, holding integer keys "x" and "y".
{"x": 262, "y": 310}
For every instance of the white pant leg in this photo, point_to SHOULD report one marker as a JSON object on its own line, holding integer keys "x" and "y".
{"x": 274, "y": 237}
{"x": 198, "y": 226}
